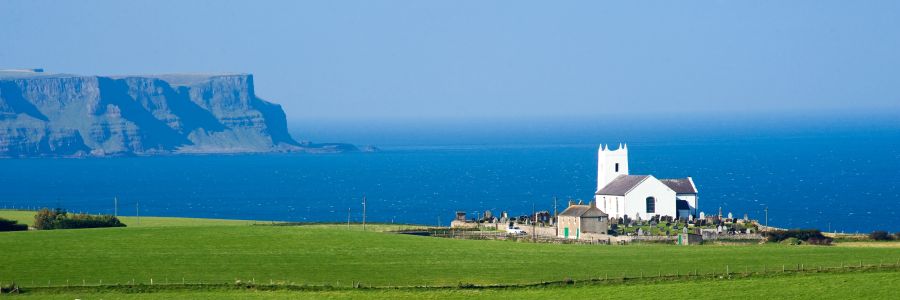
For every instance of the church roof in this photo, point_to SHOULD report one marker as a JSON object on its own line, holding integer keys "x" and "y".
{"x": 680, "y": 185}
{"x": 622, "y": 184}
{"x": 583, "y": 211}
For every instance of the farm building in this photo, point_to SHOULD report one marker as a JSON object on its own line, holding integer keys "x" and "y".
{"x": 578, "y": 219}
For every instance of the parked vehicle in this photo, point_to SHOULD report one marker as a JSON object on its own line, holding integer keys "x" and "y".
{"x": 515, "y": 230}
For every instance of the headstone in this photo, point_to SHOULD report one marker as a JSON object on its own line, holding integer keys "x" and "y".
{"x": 702, "y": 215}
{"x": 684, "y": 230}
{"x": 729, "y": 215}
{"x": 640, "y": 232}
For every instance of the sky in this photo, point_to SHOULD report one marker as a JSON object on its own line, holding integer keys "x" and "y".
{"x": 340, "y": 61}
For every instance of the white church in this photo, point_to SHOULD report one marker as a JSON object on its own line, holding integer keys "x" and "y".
{"x": 620, "y": 194}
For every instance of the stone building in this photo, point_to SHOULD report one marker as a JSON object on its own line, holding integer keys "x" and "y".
{"x": 578, "y": 219}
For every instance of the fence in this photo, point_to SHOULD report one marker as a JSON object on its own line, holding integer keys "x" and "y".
{"x": 723, "y": 272}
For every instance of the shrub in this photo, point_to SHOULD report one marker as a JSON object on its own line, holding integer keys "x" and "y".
{"x": 880, "y": 235}
{"x": 801, "y": 234}
{"x": 11, "y": 225}
{"x": 820, "y": 241}
{"x": 47, "y": 219}
{"x": 791, "y": 241}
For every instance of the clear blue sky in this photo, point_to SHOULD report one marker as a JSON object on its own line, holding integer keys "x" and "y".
{"x": 352, "y": 60}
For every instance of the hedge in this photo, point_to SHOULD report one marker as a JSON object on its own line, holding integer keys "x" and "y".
{"x": 47, "y": 219}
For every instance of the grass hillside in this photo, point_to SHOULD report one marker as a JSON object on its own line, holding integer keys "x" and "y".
{"x": 329, "y": 255}
{"x": 222, "y": 251}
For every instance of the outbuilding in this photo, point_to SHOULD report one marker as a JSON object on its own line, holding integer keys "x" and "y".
{"x": 578, "y": 219}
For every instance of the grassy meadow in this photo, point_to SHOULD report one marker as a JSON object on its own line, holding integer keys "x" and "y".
{"x": 873, "y": 285}
{"x": 223, "y": 251}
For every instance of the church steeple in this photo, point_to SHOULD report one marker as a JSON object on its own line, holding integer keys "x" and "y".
{"x": 611, "y": 163}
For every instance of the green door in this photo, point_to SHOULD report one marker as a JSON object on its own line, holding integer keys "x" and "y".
{"x": 566, "y": 232}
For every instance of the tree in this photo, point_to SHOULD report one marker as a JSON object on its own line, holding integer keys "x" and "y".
{"x": 880, "y": 235}
{"x": 11, "y": 225}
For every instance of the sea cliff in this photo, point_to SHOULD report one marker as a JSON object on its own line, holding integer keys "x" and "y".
{"x": 72, "y": 115}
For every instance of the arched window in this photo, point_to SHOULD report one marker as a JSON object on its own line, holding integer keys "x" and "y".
{"x": 651, "y": 205}
{"x": 617, "y": 167}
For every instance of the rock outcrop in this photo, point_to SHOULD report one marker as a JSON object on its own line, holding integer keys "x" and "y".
{"x": 70, "y": 115}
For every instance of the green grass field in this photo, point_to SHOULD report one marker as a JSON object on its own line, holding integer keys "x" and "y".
{"x": 222, "y": 251}
{"x": 875, "y": 285}
{"x": 27, "y": 217}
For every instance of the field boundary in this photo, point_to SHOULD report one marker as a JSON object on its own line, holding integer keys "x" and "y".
{"x": 605, "y": 279}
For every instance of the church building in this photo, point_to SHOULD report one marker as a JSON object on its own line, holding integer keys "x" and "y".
{"x": 621, "y": 194}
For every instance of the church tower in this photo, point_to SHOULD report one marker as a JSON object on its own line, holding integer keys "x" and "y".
{"x": 611, "y": 163}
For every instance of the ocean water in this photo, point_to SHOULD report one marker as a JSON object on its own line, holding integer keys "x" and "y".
{"x": 845, "y": 181}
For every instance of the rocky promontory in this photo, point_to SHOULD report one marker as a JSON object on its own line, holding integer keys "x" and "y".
{"x": 71, "y": 115}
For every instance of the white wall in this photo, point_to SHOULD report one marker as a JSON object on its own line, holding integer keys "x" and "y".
{"x": 691, "y": 200}
{"x": 636, "y": 199}
{"x": 606, "y": 164}
{"x": 611, "y": 205}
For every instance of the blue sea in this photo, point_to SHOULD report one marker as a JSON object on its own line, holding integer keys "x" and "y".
{"x": 842, "y": 178}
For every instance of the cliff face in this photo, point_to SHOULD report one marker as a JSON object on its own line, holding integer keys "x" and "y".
{"x": 67, "y": 115}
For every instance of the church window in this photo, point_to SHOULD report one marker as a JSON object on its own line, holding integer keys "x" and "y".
{"x": 617, "y": 167}
{"x": 651, "y": 205}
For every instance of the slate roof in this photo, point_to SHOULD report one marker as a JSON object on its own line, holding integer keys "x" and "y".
{"x": 583, "y": 211}
{"x": 622, "y": 184}
{"x": 680, "y": 185}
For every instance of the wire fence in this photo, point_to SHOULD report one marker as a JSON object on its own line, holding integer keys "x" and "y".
{"x": 722, "y": 272}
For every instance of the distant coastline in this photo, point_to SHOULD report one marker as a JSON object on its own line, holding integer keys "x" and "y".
{"x": 62, "y": 115}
